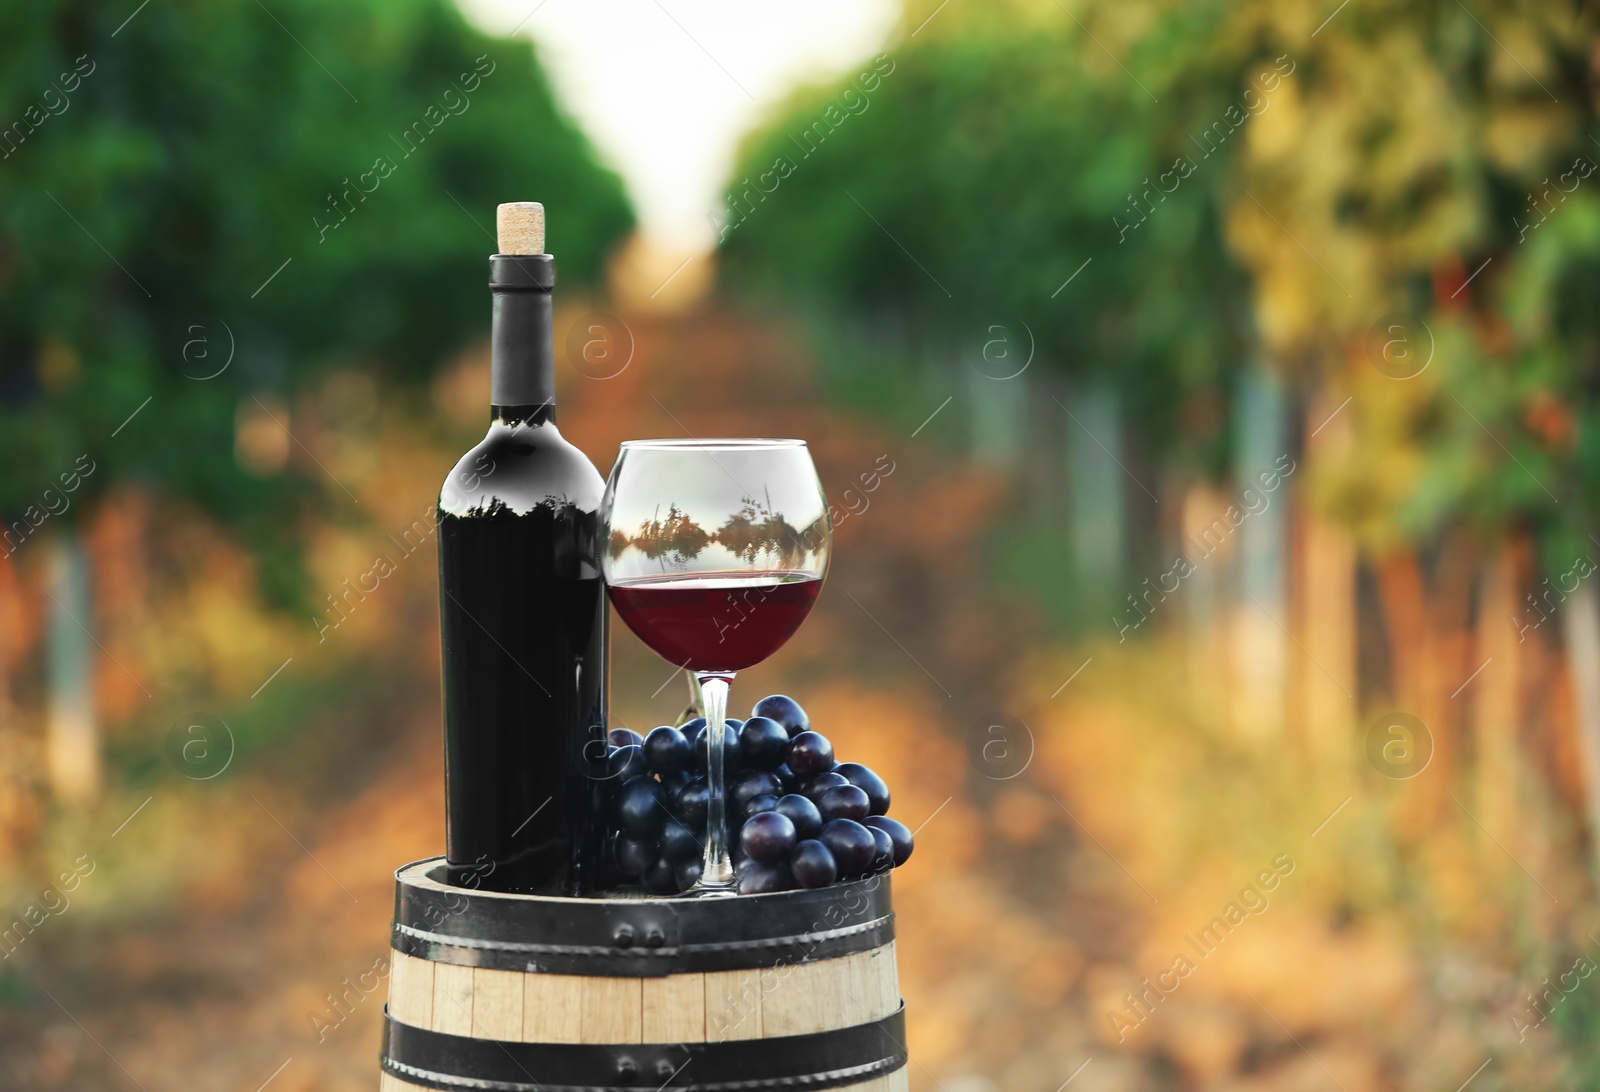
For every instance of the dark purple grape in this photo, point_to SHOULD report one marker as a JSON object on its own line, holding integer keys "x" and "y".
{"x": 693, "y": 802}
{"x": 753, "y": 783}
{"x": 673, "y": 783}
{"x": 734, "y": 722}
{"x": 787, "y": 777}
{"x": 730, "y": 751}
{"x": 898, "y": 833}
{"x": 843, "y": 802}
{"x": 762, "y": 879}
{"x": 883, "y": 853}
{"x": 767, "y": 837}
{"x": 861, "y": 777}
{"x": 810, "y": 754}
{"x": 688, "y": 873}
{"x": 757, "y": 804}
{"x": 624, "y": 737}
{"x": 625, "y": 763}
{"x": 691, "y": 728}
{"x": 763, "y": 743}
{"x": 666, "y": 750}
{"x": 786, "y": 711}
{"x": 813, "y": 864}
{"x": 679, "y": 843}
{"x": 851, "y": 843}
{"x": 639, "y": 807}
{"x": 633, "y": 856}
{"x": 802, "y": 813}
{"x": 813, "y": 789}
{"x": 661, "y": 877}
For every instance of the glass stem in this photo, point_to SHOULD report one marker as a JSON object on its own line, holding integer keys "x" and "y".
{"x": 717, "y": 872}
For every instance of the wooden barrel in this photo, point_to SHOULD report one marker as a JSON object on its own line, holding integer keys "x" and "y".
{"x": 790, "y": 990}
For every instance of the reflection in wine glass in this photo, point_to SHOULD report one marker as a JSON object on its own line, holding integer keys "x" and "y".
{"x": 715, "y": 553}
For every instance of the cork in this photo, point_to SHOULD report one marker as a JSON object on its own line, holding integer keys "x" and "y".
{"x": 520, "y": 225}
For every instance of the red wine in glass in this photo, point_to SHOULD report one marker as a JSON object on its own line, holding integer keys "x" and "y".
{"x": 714, "y": 551}
{"x": 716, "y": 621}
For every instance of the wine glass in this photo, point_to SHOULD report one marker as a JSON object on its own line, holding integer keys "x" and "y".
{"x": 714, "y": 553}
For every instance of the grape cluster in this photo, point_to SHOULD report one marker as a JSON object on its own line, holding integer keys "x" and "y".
{"x": 802, "y": 819}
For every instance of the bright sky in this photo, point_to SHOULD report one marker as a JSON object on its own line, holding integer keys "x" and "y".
{"x": 666, "y": 88}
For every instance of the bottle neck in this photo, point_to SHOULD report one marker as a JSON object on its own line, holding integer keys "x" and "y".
{"x": 543, "y": 413}
{"x": 522, "y": 339}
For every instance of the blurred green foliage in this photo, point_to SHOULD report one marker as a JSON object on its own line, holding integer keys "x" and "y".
{"x": 989, "y": 158}
{"x": 1249, "y": 183}
{"x": 157, "y": 173}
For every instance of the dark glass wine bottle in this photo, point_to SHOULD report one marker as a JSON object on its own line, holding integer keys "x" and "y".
{"x": 523, "y": 614}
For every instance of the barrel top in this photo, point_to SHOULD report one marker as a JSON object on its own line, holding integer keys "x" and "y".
{"x": 633, "y": 937}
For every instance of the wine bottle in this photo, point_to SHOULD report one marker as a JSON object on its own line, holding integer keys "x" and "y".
{"x": 523, "y": 611}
